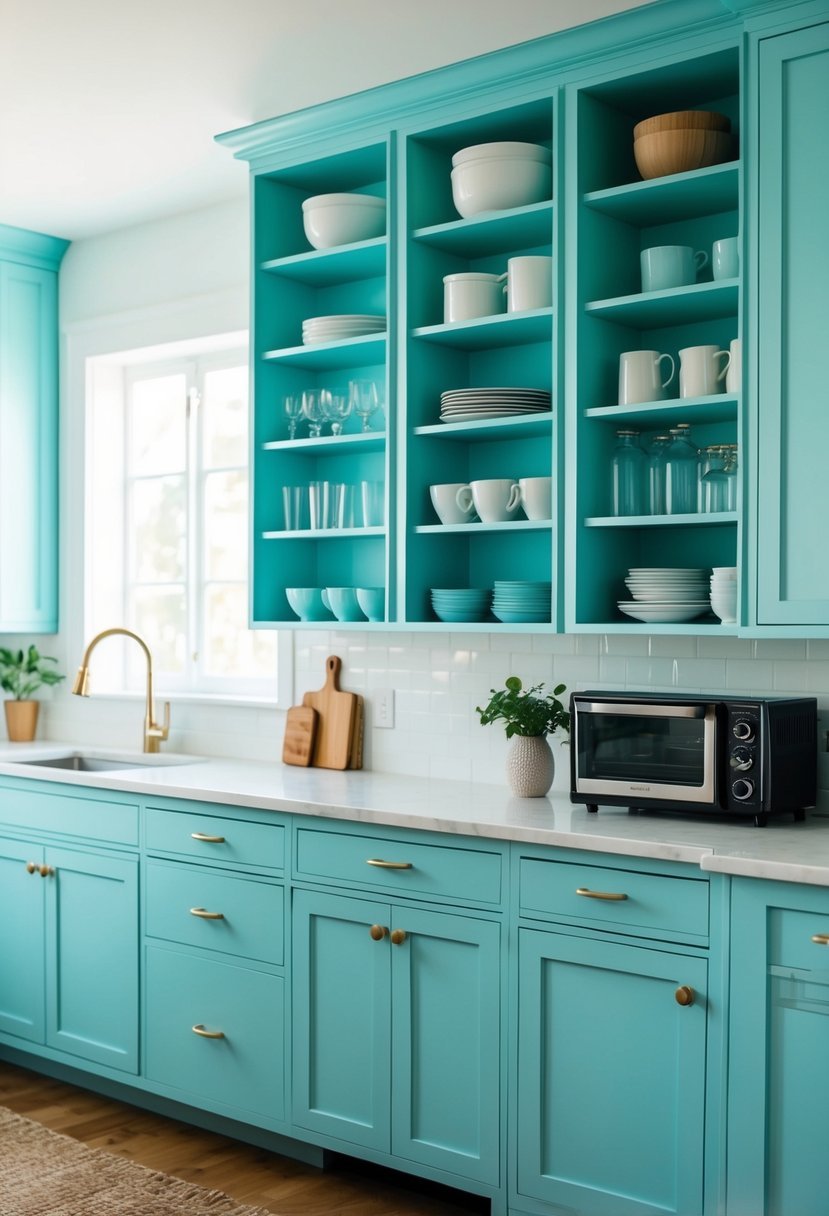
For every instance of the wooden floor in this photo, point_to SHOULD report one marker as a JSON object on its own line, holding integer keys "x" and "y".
{"x": 249, "y": 1175}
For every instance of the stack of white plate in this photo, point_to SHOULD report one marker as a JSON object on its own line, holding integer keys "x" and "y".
{"x": 461, "y": 604}
{"x": 666, "y": 595}
{"x": 477, "y": 404}
{"x": 518, "y": 602}
{"x": 724, "y": 593}
{"x": 346, "y": 325}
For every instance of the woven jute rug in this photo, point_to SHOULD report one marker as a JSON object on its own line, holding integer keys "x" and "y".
{"x": 43, "y": 1173}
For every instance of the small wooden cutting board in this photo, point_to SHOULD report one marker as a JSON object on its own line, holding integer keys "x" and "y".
{"x": 300, "y": 733}
{"x": 335, "y": 725}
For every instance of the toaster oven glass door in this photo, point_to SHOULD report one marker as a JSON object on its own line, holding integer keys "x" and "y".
{"x": 646, "y": 751}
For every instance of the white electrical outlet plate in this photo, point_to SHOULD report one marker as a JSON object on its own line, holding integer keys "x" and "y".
{"x": 384, "y": 708}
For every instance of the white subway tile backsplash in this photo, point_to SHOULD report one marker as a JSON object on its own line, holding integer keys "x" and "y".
{"x": 700, "y": 673}
{"x": 748, "y": 675}
{"x": 673, "y": 647}
{"x": 786, "y": 649}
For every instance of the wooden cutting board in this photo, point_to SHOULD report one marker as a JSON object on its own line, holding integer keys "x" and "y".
{"x": 335, "y": 719}
{"x": 300, "y": 735}
{"x": 356, "y": 756}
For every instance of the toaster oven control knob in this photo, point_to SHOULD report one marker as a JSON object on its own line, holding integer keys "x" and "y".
{"x": 741, "y": 759}
{"x": 743, "y": 730}
{"x": 742, "y": 789}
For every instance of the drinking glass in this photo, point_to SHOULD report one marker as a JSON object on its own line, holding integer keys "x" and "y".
{"x": 312, "y": 409}
{"x": 295, "y": 505}
{"x": 336, "y": 407}
{"x": 365, "y": 400}
{"x": 292, "y": 409}
{"x": 372, "y": 494}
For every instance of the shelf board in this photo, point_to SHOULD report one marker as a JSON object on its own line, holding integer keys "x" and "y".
{"x": 475, "y": 529}
{"x": 696, "y": 519}
{"x": 680, "y": 196}
{"x": 371, "y": 441}
{"x": 720, "y": 407}
{"x": 526, "y": 425}
{"x": 495, "y": 232}
{"x": 706, "y": 628}
{"x": 482, "y": 333}
{"x": 323, "y": 267}
{"x": 652, "y": 309}
{"x": 324, "y": 356}
{"x": 324, "y": 534}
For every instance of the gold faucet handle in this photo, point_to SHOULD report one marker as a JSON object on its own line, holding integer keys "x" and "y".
{"x": 156, "y": 733}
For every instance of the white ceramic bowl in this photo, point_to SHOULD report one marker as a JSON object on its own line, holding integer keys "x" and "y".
{"x": 501, "y": 149}
{"x": 495, "y": 183}
{"x": 341, "y": 219}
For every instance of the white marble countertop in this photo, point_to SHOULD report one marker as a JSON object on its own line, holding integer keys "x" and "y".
{"x": 785, "y": 851}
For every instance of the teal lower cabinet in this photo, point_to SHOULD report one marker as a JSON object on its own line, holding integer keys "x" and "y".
{"x": 69, "y": 952}
{"x": 397, "y": 1034}
{"x": 779, "y": 1050}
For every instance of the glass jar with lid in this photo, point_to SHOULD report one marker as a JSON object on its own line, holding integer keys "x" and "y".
{"x": 628, "y": 474}
{"x": 681, "y": 464}
{"x": 657, "y": 455}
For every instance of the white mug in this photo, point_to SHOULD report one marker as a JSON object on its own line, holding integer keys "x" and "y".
{"x": 529, "y": 283}
{"x": 734, "y": 371}
{"x": 699, "y": 374}
{"x": 536, "y": 497}
{"x": 495, "y": 498}
{"x": 445, "y": 501}
{"x": 640, "y": 377}
{"x": 466, "y": 296}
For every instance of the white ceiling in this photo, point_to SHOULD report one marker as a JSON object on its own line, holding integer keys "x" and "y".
{"x": 108, "y": 109}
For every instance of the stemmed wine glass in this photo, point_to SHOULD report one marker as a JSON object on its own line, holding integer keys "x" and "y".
{"x": 365, "y": 400}
{"x": 312, "y": 409}
{"x": 336, "y": 407}
{"x": 292, "y": 409}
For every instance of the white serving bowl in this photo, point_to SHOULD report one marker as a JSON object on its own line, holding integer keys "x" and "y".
{"x": 341, "y": 219}
{"x": 501, "y": 149}
{"x": 498, "y": 183}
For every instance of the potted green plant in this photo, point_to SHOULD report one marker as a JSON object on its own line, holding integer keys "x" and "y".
{"x": 22, "y": 673}
{"x": 529, "y": 715}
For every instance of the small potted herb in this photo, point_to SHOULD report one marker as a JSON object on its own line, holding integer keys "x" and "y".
{"x": 529, "y": 715}
{"x": 22, "y": 673}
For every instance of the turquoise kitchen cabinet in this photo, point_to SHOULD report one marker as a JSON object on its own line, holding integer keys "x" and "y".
{"x": 791, "y": 302}
{"x": 29, "y": 430}
{"x": 779, "y": 1049}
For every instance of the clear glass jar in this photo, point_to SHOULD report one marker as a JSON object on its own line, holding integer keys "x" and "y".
{"x": 657, "y": 455}
{"x": 732, "y": 495}
{"x": 628, "y": 468}
{"x": 681, "y": 466}
{"x": 713, "y": 478}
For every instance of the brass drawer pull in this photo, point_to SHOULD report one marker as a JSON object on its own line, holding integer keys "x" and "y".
{"x": 208, "y": 1034}
{"x": 377, "y": 932}
{"x": 205, "y": 915}
{"x": 389, "y": 865}
{"x": 398, "y": 936}
{"x": 600, "y": 894}
{"x": 684, "y": 995}
{"x": 45, "y": 871}
{"x": 209, "y": 839}
{"x": 820, "y": 939}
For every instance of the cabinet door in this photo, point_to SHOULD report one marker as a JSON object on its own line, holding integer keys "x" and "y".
{"x": 28, "y": 449}
{"x": 21, "y": 942}
{"x": 611, "y": 1077}
{"x": 92, "y": 957}
{"x": 779, "y": 1050}
{"x": 341, "y": 1018}
{"x": 793, "y": 292}
{"x": 445, "y": 1042}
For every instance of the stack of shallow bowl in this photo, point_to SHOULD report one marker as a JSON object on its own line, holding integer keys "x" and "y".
{"x": 665, "y": 595}
{"x": 337, "y": 328}
{"x": 517, "y": 603}
{"x": 681, "y": 141}
{"x": 461, "y": 603}
{"x": 499, "y": 176}
{"x": 724, "y": 593}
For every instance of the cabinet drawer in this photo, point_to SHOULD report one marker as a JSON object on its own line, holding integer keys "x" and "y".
{"x": 247, "y": 916}
{"x": 71, "y": 815}
{"x": 430, "y": 869}
{"x": 244, "y": 1068}
{"x": 205, "y": 837}
{"x": 654, "y": 904}
{"x": 790, "y": 939}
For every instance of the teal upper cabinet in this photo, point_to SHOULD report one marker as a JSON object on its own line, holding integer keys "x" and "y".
{"x": 792, "y": 303}
{"x": 28, "y": 430}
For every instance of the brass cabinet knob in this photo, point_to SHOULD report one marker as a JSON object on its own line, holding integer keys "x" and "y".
{"x": 45, "y": 871}
{"x": 205, "y": 915}
{"x": 684, "y": 995}
{"x": 820, "y": 939}
{"x": 615, "y": 895}
{"x": 377, "y": 932}
{"x": 31, "y": 867}
{"x": 208, "y": 1034}
{"x": 398, "y": 936}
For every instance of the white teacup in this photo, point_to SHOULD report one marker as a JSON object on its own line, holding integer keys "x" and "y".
{"x": 734, "y": 371}
{"x": 640, "y": 376}
{"x": 529, "y": 283}
{"x": 495, "y": 498}
{"x": 445, "y": 501}
{"x": 537, "y": 497}
{"x": 699, "y": 372}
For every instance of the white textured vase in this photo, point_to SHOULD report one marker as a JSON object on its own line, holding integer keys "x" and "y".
{"x": 530, "y": 766}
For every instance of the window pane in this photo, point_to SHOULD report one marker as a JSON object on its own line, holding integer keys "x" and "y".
{"x": 225, "y": 418}
{"x": 158, "y": 425}
{"x": 158, "y": 548}
{"x": 225, "y": 525}
{"x": 231, "y": 649}
{"x": 159, "y": 615}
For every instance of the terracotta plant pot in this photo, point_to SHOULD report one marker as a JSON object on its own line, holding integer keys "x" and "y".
{"x": 21, "y": 720}
{"x": 530, "y": 766}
